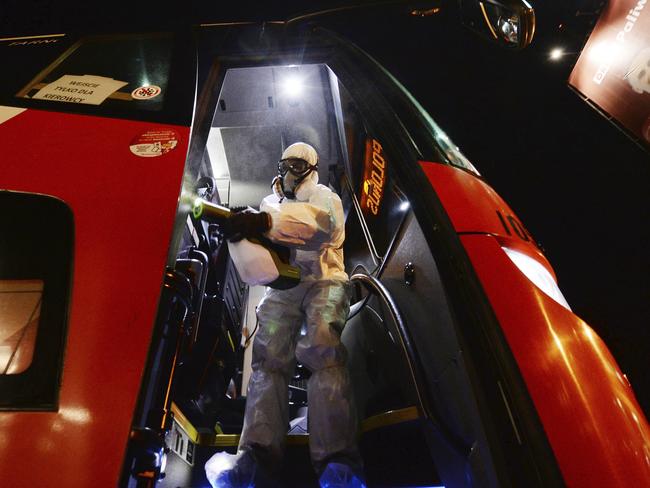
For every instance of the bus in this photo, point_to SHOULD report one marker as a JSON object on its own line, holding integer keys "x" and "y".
{"x": 126, "y": 327}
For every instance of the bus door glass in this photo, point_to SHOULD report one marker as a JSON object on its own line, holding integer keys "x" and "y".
{"x": 379, "y": 204}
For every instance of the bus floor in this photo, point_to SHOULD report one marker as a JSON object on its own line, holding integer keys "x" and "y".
{"x": 394, "y": 456}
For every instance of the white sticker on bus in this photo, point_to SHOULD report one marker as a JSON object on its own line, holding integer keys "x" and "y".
{"x": 146, "y": 92}
{"x": 154, "y": 142}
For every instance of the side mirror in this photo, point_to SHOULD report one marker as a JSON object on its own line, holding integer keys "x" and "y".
{"x": 509, "y": 23}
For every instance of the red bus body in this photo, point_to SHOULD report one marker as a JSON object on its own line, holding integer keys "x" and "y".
{"x": 119, "y": 260}
{"x": 596, "y": 427}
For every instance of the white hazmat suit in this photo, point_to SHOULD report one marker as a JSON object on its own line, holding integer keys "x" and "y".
{"x": 313, "y": 226}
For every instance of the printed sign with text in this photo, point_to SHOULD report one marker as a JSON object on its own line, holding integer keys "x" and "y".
{"x": 88, "y": 89}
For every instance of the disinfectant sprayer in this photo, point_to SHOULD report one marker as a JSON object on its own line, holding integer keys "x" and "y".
{"x": 258, "y": 260}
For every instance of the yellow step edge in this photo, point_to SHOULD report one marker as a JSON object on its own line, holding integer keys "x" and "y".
{"x": 232, "y": 440}
{"x": 185, "y": 424}
{"x": 385, "y": 419}
{"x": 391, "y": 417}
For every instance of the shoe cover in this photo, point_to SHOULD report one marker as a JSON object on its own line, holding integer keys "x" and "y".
{"x": 225, "y": 470}
{"x": 338, "y": 475}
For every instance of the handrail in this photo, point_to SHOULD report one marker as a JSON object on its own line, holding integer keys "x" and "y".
{"x": 404, "y": 336}
{"x": 203, "y": 279}
{"x": 172, "y": 279}
{"x": 457, "y": 442}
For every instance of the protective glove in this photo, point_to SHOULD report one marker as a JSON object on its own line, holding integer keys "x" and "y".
{"x": 245, "y": 224}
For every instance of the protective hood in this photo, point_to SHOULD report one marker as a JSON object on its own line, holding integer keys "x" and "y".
{"x": 292, "y": 186}
{"x": 301, "y": 150}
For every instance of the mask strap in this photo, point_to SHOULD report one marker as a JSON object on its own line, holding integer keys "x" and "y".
{"x": 281, "y": 192}
{"x": 276, "y": 185}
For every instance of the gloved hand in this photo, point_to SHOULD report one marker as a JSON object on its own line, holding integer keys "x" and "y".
{"x": 244, "y": 224}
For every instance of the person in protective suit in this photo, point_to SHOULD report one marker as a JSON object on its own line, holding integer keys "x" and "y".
{"x": 308, "y": 218}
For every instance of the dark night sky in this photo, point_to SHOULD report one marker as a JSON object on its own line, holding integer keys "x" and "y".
{"x": 580, "y": 185}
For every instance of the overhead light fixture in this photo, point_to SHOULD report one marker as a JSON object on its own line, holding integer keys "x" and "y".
{"x": 556, "y": 54}
{"x": 293, "y": 87}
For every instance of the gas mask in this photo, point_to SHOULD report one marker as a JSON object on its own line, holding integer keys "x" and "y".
{"x": 291, "y": 173}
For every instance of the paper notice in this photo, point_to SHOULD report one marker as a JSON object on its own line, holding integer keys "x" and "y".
{"x": 92, "y": 90}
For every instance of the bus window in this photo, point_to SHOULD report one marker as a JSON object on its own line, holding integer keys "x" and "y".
{"x": 20, "y": 310}
{"x": 136, "y": 76}
{"x": 129, "y": 73}
{"x": 36, "y": 241}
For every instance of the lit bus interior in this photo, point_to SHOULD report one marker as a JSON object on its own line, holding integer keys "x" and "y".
{"x": 259, "y": 112}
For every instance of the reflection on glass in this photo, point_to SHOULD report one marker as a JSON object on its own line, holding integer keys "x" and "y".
{"x": 374, "y": 177}
{"x": 20, "y": 309}
{"x": 113, "y": 72}
{"x": 538, "y": 274}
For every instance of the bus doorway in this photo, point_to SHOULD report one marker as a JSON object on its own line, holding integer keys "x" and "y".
{"x": 259, "y": 111}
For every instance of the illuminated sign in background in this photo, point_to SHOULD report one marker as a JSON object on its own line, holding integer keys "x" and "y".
{"x": 374, "y": 177}
{"x": 614, "y": 67}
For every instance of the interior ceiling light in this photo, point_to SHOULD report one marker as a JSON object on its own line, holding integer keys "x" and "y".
{"x": 293, "y": 86}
